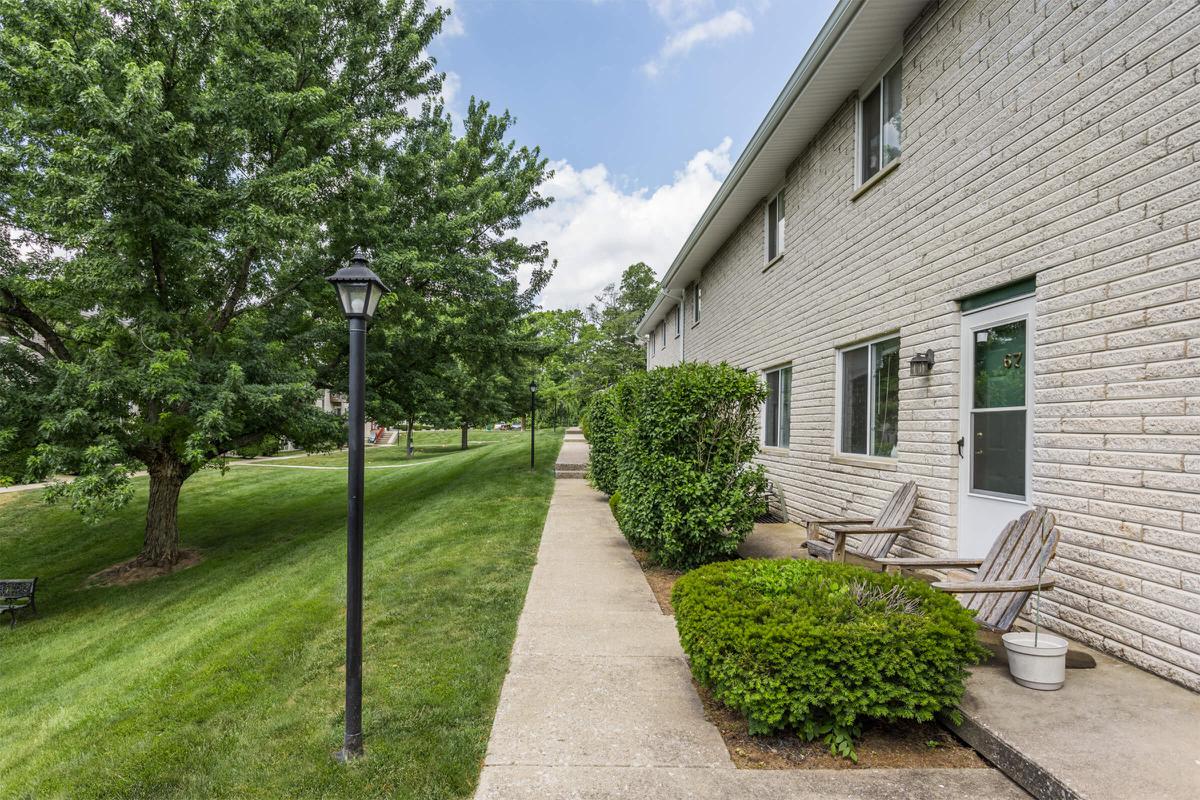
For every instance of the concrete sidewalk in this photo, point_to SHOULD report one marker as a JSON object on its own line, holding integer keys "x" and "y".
{"x": 573, "y": 456}
{"x": 598, "y": 701}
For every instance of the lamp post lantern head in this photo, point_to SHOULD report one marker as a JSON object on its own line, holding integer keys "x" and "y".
{"x": 358, "y": 288}
{"x": 533, "y": 387}
{"x": 921, "y": 364}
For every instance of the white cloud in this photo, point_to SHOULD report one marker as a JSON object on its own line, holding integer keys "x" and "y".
{"x": 595, "y": 228}
{"x": 454, "y": 23}
{"x": 677, "y": 11}
{"x": 723, "y": 26}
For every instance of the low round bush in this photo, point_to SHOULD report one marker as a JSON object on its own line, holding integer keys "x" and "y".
{"x": 818, "y": 648}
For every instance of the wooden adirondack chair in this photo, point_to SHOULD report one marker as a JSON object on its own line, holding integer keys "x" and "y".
{"x": 1007, "y": 576}
{"x": 876, "y": 536}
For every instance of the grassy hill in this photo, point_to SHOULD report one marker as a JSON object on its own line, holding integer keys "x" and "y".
{"x": 225, "y": 679}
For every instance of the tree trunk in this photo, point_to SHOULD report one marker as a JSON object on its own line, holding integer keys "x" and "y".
{"x": 410, "y": 437}
{"x": 161, "y": 545}
{"x": 464, "y": 436}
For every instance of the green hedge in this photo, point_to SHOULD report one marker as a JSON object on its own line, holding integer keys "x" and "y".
{"x": 686, "y": 435}
{"x": 817, "y": 648}
{"x": 600, "y": 426}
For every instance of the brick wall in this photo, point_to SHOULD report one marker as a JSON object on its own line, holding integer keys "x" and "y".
{"x": 1056, "y": 139}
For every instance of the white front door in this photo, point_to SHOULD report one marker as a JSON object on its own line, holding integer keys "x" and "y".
{"x": 996, "y": 423}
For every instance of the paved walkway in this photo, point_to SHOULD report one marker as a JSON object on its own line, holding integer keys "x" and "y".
{"x": 598, "y": 701}
{"x": 572, "y": 459}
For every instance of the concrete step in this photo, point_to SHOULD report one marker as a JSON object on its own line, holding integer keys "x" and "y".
{"x": 570, "y": 471}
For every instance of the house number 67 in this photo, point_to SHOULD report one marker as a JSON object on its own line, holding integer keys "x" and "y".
{"x": 1013, "y": 360}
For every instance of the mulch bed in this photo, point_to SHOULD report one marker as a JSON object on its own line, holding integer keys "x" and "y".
{"x": 132, "y": 571}
{"x": 904, "y": 746}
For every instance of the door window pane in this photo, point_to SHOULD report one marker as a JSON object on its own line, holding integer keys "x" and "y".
{"x": 886, "y": 388}
{"x": 998, "y": 452}
{"x": 891, "y": 115}
{"x": 1000, "y": 366}
{"x": 855, "y": 391}
{"x": 869, "y": 143}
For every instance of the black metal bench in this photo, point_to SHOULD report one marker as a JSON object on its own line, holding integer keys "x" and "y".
{"x": 17, "y": 595}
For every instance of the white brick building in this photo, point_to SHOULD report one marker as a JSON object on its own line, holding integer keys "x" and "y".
{"x": 1014, "y": 186}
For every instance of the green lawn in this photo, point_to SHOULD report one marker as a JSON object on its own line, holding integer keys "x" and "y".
{"x": 225, "y": 680}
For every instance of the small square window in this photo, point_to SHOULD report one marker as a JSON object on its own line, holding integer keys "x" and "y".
{"x": 777, "y": 417}
{"x": 870, "y": 399}
{"x": 775, "y": 227}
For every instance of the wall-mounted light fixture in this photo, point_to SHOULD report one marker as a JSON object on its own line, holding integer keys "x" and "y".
{"x": 921, "y": 365}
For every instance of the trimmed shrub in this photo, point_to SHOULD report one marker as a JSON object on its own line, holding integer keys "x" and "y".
{"x": 817, "y": 648}
{"x": 600, "y": 428}
{"x": 614, "y": 505}
{"x": 686, "y": 435}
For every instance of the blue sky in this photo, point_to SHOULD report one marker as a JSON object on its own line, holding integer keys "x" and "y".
{"x": 641, "y": 105}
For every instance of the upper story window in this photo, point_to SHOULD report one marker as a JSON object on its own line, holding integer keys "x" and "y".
{"x": 869, "y": 405}
{"x": 777, "y": 418}
{"x": 678, "y": 320}
{"x": 653, "y": 344}
{"x": 879, "y": 124}
{"x": 696, "y": 295}
{"x": 664, "y": 334}
{"x": 774, "y": 228}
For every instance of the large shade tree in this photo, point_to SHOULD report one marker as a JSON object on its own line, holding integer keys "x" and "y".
{"x": 174, "y": 169}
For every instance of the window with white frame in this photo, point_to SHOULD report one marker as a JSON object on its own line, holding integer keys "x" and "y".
{"x": 678, "y": 320}
{"x": 869, "y": 402}
{"x": 777, "y": 416}
{"x": 653, "y": 344}
{"x": 774, "y": 227}
{"x": 696, "y": 294}
{"x": 879, "y": 124}
{"x": 663, "y": 342}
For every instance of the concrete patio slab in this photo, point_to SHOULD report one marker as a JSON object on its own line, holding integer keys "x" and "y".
{"x": 1114, "y": 731}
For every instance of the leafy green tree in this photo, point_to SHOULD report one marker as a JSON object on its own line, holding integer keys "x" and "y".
{"x": 181, "y": 171}
{"x": 443, "y": 227}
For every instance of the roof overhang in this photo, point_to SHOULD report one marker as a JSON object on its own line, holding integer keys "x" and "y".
{"x": 857, "y": 36}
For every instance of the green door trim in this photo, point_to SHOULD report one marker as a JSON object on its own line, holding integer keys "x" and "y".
{"x": 1001, "y": 294}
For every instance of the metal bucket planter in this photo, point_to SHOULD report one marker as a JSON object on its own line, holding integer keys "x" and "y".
{"x": 1037, "y": 660}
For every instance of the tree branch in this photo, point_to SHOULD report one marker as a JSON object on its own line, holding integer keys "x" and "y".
{"x": 229, "y": 310}
{"x": 8, "y": 330}
{"x": 15, "y": 308}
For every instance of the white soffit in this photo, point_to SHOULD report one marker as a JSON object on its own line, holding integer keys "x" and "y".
{"x": 858, "y": 35}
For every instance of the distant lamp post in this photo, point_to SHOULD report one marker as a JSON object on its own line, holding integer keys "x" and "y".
{"x": 921, "y": 365}
{"x": 358, "y": 291}
{"x": 532, "y": 419}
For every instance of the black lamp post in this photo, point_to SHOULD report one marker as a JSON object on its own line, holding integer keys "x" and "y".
{"x": 532, "y": 419}
{"x": 358, "y": 290}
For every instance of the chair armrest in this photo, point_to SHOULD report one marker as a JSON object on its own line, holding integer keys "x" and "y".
{"x": 975, "y": 587}
{"x": 838, "y": 521}
{"x": 841, "y": 532}
{"x": 930, "y": 562}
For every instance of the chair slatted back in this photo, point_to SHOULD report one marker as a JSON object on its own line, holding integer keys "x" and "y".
{"x": 1022, "y": 550}
{"x": 893, "y": 515}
